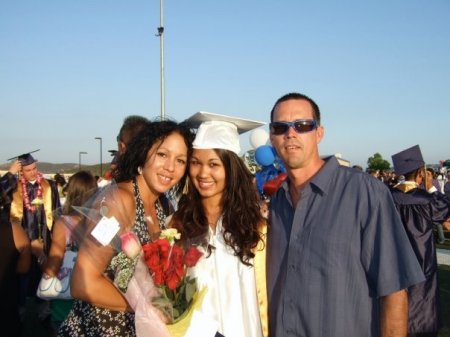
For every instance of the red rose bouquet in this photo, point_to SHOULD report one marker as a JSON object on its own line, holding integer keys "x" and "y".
{"x": 168, "y": 263}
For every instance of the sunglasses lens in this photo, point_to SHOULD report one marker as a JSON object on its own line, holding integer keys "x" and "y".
{"x": 278, "y": 128}
{"x": 304, "y": 126}
{"x": 300, "y": 126}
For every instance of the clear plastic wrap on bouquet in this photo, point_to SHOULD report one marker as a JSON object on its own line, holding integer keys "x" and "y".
{"x": 106, "y": 217}
{"x": 108, "y": 224}
{"x": 150, "y": 320}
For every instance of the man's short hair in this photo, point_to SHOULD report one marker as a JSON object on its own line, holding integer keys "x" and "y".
{"x": 131, "y": 127}
{"x": 298, "y": 96}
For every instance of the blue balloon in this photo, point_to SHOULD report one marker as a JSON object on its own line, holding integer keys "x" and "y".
{"x": 267, "y": 173}
{"x": 264, "y": 155}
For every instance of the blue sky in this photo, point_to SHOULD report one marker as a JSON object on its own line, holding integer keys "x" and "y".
{"x": 71, "y": 70}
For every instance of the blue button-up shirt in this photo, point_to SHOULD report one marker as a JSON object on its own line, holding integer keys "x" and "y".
{"x": 331, "y": 256}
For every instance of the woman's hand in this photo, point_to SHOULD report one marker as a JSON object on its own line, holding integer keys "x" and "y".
{"x": 37, "y": 249}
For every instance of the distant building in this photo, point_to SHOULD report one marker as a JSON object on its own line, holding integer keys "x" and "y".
{"x": 342, "y": 161}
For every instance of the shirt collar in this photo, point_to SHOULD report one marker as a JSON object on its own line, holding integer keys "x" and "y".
{"x": 322, "y": 179}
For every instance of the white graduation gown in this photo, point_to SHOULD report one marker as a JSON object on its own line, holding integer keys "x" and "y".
{"x": 231, "y": 301}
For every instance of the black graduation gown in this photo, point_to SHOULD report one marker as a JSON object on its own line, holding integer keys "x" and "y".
{"x": 9, "y": 305}
{"x": 418, "y": 210}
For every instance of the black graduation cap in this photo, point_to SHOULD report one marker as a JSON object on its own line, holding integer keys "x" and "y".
{"x": 25, "y": 158}
{"x": 408, "y": 160}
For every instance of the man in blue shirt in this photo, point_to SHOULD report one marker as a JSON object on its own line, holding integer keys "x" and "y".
{"x": 338, "y": 257}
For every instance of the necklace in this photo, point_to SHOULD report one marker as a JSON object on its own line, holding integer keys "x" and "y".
{"x": 160, "y": 216}
{"x": 26, "y": 197}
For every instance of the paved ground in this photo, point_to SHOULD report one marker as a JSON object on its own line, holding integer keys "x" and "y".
{"x": 443, "y": 256}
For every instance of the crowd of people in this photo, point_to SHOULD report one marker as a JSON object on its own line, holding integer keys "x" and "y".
{"x": 338, "y": 252}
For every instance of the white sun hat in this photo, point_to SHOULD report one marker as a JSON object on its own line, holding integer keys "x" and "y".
{"x": 220, "y": 131}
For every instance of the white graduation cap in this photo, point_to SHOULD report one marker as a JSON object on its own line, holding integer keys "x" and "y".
{"x": 220, "y": 131}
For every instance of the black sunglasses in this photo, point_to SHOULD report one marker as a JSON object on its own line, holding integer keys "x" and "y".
{"x": 299, "y": 125}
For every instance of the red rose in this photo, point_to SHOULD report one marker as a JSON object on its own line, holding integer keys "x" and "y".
{"x": 174, "y": 268}
{"x": 151, "y": 256}
{"x": 173, "y": 279}
{"x": 177, "y": 261}
{"x": 158, "y": 277}
{"x": 149, "y": 248}
{"x": 192, "y": 256}
{"x": 164, "y": 248}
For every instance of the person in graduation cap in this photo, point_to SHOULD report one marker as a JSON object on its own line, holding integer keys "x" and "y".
{"x": 419, "y": 209}
{"x": 222, "y": 204}
{"x": 33, "y": 202}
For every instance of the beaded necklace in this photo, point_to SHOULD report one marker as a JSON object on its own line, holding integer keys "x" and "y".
{"x": 160, "y": 215}
{"x": 26, "y": 197}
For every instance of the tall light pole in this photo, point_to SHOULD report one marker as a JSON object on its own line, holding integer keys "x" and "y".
{"x": 79, "y": 159}
{"x": 161, "y": 39}
{"x": 101, "y": 164}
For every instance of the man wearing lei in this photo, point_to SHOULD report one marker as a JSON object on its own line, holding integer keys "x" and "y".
{"x": 34, "y": 199}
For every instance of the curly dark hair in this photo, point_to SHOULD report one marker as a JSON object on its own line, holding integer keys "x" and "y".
{"x": 240, "y": 204}
{"x": 152, "y": 133}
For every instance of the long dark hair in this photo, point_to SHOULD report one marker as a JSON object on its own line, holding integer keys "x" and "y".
{"x": 81, "y": 186}
{"x": 240, "y": 210}
{"x": 152, "y": 133}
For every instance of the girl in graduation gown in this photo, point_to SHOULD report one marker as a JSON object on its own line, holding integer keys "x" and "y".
{"x": 222, "y": 205}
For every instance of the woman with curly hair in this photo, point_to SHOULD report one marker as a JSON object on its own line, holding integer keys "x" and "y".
{"x": 222, "y": 205}
{"x": 155, "y": 162}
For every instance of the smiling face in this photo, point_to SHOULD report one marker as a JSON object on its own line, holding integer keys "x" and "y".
{"x": 297, "y": 150}
{"x": 207, "y": 173}
{"x": 166, "y": 164}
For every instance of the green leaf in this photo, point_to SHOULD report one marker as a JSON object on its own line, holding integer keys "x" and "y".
{"x": 191, "y": 288}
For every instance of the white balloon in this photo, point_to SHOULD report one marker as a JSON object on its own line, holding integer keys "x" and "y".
{"x": 258, "y": 137}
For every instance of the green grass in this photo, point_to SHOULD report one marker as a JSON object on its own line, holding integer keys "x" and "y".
{"x": 446, "y": 245}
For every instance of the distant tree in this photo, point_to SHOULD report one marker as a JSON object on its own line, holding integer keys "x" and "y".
{"x": 376, "y": 162}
